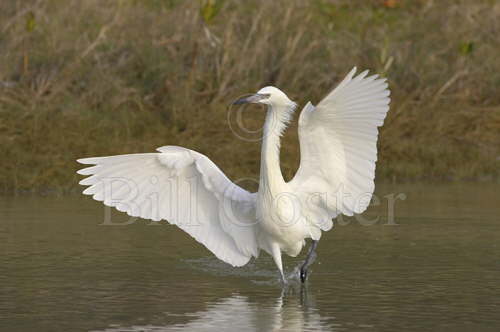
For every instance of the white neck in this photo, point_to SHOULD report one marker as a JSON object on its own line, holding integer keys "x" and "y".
{"x": 271, "y": 178}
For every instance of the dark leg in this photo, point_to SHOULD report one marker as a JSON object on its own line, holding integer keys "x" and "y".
{"x": 311, "y": 256}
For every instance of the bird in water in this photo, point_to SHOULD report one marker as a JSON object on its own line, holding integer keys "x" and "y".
{"x": 338, "y": 151}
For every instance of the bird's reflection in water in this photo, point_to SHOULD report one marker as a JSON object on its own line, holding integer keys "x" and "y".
{"x": 294, "y": 310}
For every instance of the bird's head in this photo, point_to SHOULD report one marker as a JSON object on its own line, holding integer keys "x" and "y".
{"x": 269, "y": 95}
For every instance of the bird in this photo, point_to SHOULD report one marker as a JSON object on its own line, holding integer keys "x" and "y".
{"x": 338, "y": 154}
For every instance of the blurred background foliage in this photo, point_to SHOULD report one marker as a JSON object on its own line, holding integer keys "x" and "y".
{"x": 89, "y": 78}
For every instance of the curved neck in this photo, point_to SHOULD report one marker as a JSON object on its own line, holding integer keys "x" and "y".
{"x": 270, "y": 171}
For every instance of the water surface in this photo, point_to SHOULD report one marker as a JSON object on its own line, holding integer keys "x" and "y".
{"x": 434, "y": 266}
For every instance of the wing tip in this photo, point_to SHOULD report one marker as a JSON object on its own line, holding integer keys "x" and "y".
{"x": 88, "y": 170}
{"x": 87, "y": 161}
{"x": 352, "y": 72}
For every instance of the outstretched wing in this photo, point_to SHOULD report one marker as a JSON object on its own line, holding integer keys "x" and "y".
{"x": 338, "y": 148}
{"x": 183, "y": 187}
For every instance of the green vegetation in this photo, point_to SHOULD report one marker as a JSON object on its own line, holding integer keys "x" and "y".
{"x": 88, "y": 78}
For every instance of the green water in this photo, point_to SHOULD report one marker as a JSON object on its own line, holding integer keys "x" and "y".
{"x": 434, "y": 267}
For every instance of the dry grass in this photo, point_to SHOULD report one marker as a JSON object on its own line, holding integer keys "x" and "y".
{"x": 84, "y": 78}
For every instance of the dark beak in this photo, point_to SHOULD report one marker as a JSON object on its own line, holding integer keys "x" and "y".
{"x": 251, "y": 99}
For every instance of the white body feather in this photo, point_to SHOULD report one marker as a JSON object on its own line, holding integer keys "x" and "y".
{"x": 338, "y": 141}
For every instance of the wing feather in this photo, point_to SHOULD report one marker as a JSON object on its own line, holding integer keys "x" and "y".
{"x": 338, "y": 144}
{"x": 183, "y": 187}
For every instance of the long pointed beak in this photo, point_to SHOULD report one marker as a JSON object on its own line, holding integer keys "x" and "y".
{"x": 251, "y": 99}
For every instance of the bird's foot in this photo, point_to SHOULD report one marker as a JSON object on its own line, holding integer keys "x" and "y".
{"x": 283, "y": 280}
{"x": 303, "y": 274}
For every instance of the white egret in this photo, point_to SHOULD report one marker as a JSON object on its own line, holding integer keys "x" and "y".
{"x": 338, "y": 151}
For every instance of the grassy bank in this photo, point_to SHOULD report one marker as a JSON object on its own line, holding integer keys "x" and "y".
{"x": 85, "y": 78}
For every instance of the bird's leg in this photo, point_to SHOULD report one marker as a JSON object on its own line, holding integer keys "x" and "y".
{"x": 276, "y": 253}
{"x": 284, "y": 283}
{"x": 311, "y": 256}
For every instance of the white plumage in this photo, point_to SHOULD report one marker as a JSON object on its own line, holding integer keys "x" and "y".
{"x": 338, "y": 144}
